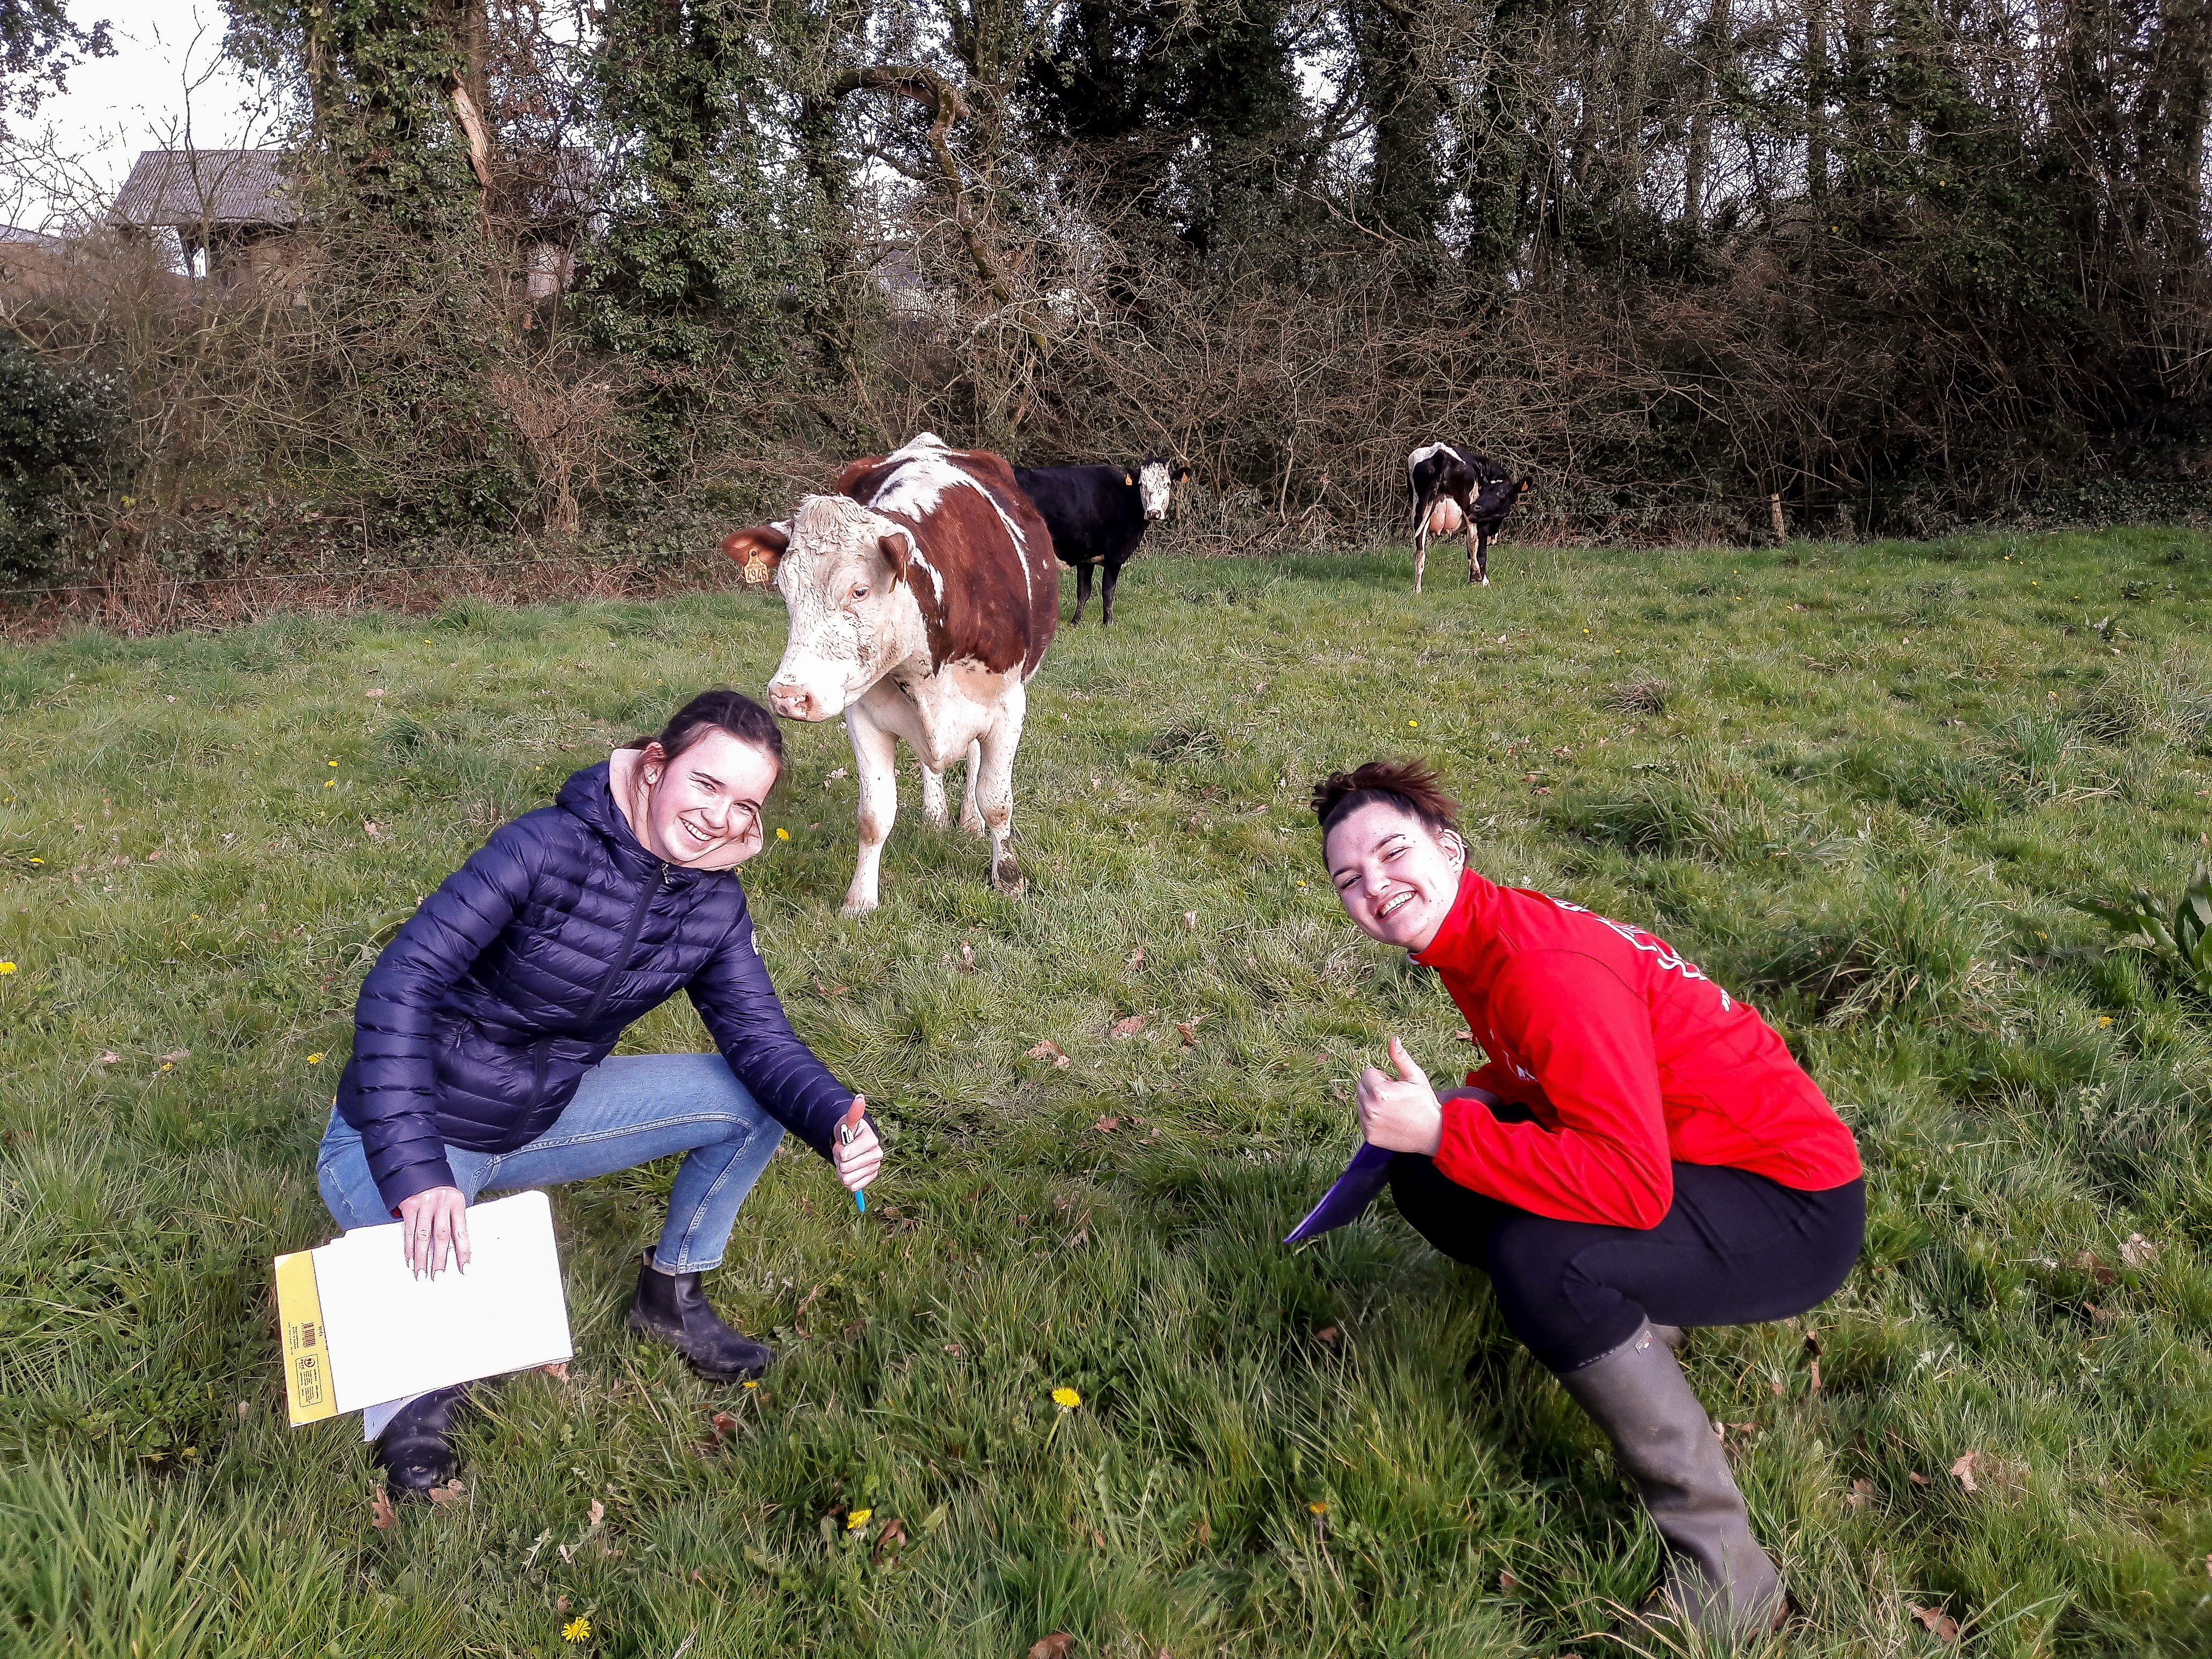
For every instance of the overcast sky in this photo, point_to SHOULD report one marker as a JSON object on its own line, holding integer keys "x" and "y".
{"x": 80, "y": 145}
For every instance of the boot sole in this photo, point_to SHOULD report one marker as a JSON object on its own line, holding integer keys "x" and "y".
{"x": 654, "y": 1333}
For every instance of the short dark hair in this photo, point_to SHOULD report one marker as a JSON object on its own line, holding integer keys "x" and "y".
{"x": 719, "y": 710}
{"x": 1412, "y": 788}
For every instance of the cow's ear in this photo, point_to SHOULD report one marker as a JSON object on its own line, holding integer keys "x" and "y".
{"x": 897, "y": 549}
{"x": 1182, "y": 473}
{"x": 757, "y": 551}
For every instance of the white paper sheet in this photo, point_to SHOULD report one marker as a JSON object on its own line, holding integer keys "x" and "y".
{"x": 392, "y": 1335}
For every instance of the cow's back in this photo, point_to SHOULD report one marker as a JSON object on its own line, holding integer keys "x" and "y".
{"x": 989, "y": 591}
{"x": 1092, "y": 511}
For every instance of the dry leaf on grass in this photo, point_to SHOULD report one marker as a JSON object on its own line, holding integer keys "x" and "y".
{"x": 1916, "y": 1478}
{"x": 451, "y": 1492}
{"x": 599, "y": 1514}
{"x": 1464, "y": 1035}
{"x": 890, "y": 1540}
{"x": 1328, "y": 1336}
{"x": 1136, "y": 958}
{"x": 724, "y": 1425}
{"x": 1860, "y": 1493}
{"x": 1507, "y": 1584}
{"x": 1814, "y": 1371}
{"x": 1106, "y": 1125}
{"x": 381, "y": 1514}
{"x": 373, "y": 691}
{"x": 1964, "y": 1470}
{"x": 831, "y": 990}
{"x": 108, "y": 1057}
{"x": 2088, "y": 1262}
{"x": 1129, "y": 1027}
{"x": 1048, "y": 1051}
{"x": 1055, "y": 1646}
{"x": 2138, "y": 1251}
{"x": 373, "y": 829}
{"x": 558, "y": 1371}
{"x": 1945, "y": 1626}
{"x": 1190, "y": 922}
{"x": 1187, "y": 1030}
{"x": 967, "y": 954}
{"x": 176, "y": 1054}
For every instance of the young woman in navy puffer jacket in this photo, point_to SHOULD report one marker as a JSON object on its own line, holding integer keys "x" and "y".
{"x": 482, "y": 1037}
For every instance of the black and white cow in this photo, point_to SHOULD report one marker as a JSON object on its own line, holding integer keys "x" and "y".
{"x": 1455, "y": 486}
{"x": 1098, "y": 515}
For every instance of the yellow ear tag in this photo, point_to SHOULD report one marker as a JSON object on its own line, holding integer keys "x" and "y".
{"x": 1129, "y": 481}
{"x": 757, "y": 572}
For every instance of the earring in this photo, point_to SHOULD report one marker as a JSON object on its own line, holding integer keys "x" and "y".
{"x": 652, "y": 777}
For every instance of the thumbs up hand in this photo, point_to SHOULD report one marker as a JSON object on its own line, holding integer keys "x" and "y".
{"x": 1400, "y": 1114}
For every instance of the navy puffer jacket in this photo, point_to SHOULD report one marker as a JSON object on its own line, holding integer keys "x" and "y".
{"x": 519, "y": 974}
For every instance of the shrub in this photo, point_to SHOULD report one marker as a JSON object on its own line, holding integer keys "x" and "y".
{"x": 2180, "y": 945}
{"x": 56, "y": 424}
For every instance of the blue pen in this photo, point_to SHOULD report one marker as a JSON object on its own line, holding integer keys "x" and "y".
{"x": 846, "y": 1131}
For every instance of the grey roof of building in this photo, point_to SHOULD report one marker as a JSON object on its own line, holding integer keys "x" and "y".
{"x": 187, "y": 187}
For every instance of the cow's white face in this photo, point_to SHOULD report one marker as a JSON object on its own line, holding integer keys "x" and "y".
{"x": 853, "y": 616}
{"x": 1153, "y": 485}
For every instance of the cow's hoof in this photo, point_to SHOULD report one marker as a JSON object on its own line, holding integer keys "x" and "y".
{"x": 1007, "y": 877}
{"x": 974, "y": 824}
{"x": 852, "y": 908}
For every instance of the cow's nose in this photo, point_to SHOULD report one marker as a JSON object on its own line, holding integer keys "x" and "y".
{"x": 1153, "y": 516}
{"x": 792, "y": 702}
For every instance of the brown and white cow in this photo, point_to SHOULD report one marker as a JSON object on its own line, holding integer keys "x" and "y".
{"x": 922, "y": 597}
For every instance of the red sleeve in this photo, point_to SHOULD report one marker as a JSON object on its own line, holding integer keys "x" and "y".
{"x": 1587, "y": 1037}
{"x": 1505, "y": 1082}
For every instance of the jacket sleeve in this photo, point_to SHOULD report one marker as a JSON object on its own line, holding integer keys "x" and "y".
{"x": 746, "y": 1018}
{"x": 395, "y": 1093}
{"x": 1587, "y": 1037}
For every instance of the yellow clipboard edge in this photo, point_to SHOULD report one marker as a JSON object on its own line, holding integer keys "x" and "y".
{"x": 310, "y": 1391}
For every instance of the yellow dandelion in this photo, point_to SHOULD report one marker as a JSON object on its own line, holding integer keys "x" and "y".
{"x": 329, "y": 783}
{"x": 1412, "y": 723}
{"x": 783, "y": 834}
{"x": 314, "y": 1060}
{"x": 752, "y": 1382}
{"x": 333, "y": 763}
{"x": 858, "y": 1519}
{"x": 167, "y": 1065}
{"x": 38, "y": 861}
{"x": 1067, "y": 1399}
{"x": 2104, "y": 1019}
{"x": 578, "y": 1629}
{"x": 7, "y": 967}
{"x": 1317, "y": 1509}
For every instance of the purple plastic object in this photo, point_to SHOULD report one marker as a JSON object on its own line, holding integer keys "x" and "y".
{"x": 1348, "y": 1198}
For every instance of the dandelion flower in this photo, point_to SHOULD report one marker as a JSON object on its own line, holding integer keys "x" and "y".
{"x": 38, "y": 861}
{"x": 329, "y": 783}
{"x": 7, "y": 967}
{"x": 1067, "y": 1399}
{"x": 1318, "y": 1509}
{"x": 858, "y": 1519}
{"x": 578, "y": 1629}
{"x": 752, "y": 1382}
{"x": 314, "y": 1060}
{"x": 1412, "y": 723}
{"x": 783, "y": 834}
{"x": 2104, "y": 1019}
{"x": 333, "y": 763}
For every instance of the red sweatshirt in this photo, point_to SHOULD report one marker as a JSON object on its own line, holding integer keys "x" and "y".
{"x": 1629, "y": 1058}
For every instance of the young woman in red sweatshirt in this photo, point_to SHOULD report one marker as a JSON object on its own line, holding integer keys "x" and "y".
{"x": 1639, "y": 1154}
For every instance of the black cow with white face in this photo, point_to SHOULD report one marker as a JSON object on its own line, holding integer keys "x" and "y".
{"x": 1098, "y": 515}
{"x": 1455, "y": 486}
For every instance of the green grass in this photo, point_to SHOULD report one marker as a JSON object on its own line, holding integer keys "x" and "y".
{"x": 1859, "y": 784}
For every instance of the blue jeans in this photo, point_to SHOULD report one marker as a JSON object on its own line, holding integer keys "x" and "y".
{"x": 628, "y": 1111}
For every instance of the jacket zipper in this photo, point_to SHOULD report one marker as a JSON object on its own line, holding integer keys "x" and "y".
{"x": 631, "y": 929}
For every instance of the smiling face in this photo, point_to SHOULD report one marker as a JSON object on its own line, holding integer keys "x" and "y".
{"x": 702, "y": 810}
{"x": 1397, "y": 877}
{"x": 1154, "y": 486}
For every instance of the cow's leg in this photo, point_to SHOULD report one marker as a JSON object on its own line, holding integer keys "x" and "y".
{"x": 1082, "y": 591}
{"x": 1106, "y": 592}
{"x": 994, "y": 790}
{"x": 1478, "y": 553}
{"x": 1421, "y": 553}
{"x": 972, "y": 816}
{"x": 875, "y": 753}
{"x": 933, "y": 796}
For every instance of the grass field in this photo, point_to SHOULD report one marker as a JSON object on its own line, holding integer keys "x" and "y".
{"x": 1858, "y": 784}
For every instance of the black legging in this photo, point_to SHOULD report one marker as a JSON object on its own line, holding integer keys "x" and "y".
{"x": 1733, "y": 1249}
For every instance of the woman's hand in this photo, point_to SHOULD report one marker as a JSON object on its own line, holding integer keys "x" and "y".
{"x": 858, "y": 1159}
{"x": 433, "y": 1226}
{"x": 1400, "y": 1114}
